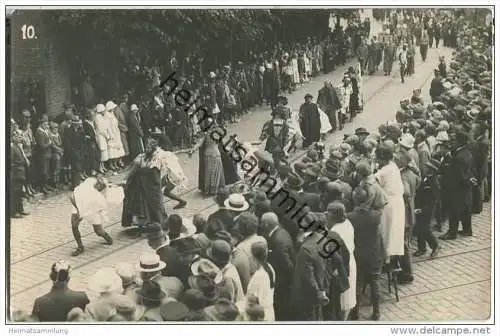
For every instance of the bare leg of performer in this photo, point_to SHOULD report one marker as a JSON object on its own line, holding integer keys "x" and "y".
{"x": 98, "y": 229}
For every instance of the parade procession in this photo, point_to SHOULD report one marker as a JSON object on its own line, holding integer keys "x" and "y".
{"x": 251, "y": 165}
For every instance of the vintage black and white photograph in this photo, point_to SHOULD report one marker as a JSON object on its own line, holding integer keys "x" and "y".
{"x": 249, "y": 165}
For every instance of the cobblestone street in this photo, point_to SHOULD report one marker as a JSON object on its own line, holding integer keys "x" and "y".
{"x": 454, "y": 286}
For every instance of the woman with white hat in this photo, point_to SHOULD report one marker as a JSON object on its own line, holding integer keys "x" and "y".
{"x": 115, "y": 145}
{"x": 108, "y": 285}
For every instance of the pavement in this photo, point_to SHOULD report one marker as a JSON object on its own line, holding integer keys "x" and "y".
{"x": 454, "y": 286}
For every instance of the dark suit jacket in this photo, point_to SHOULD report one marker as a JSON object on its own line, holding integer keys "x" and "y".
{"x": 436, "y": 87}
{"x": 369, "y": 250}
{"x": 456, "y": 180}
{"x": 281, "y": 256}
{"x": 90, "y": 136}
{"x": 220, "y": 220}
{"x": 56, "y": 304}
{"x": 177, "y": 265}
{"x": 76, "y": 144}
{"x": 17, "y": 164}
{"x": 309, "y": 276}
{"x": 43, "y": 144}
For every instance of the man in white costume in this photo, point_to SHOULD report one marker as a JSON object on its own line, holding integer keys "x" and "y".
{"x": 90, "y": 205}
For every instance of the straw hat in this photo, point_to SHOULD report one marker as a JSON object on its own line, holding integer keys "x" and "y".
{"x": 236, "y": 202}
{"x": 150, "y": 262}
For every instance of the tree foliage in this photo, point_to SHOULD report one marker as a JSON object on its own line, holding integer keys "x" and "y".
{"x": 108, "y": 43}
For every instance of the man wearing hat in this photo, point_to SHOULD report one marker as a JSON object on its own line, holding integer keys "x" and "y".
{"x": 44, "y": 150}
{"x": 18, "y": 166}
{"x": 361, "y": 133}
{"x": 282, "y": 259}
{"x": 458, "y": 181}
{"x": 407, "y": 143}
{"x": 425, "y": 199}
{"x": 91, "y": 164}
{"x": 75, "y": 140}
{"x": 55, "y": 305}
{"x": 309, "y": 121}
{"x": 220, "y": 254}
{"x": 329, "y": 102}
{"x": 436, "y": 88}
{"x": 423, "y": 150}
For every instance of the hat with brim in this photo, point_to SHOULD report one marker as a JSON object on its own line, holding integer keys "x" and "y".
{"x": 308, "y": 95}
{"x": 236, "y": 202}
{"x": 127, "y": 308}
{"x": 333, "y": 170}
{"x": 151, "y": 291}
{"x": 361, "y": 131}
{"x": 472, "y": 114}
{"x": 174, "y": 311}
{"x": 222, "y": 310}
{"x": 220, "y": 251}
{"x": 134, "y": 108}
{"x": 240, "y": 188}
{"x": 150, "y": 262}
{"x": 207, "y": 267}
{"x": 294, "y": 181}
{"x": 313, "y": 171}
{"x": 105, "y": 280}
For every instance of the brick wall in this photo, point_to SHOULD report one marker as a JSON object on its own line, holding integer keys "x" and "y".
{"x": 37, "y": 59}
{"x": 58, "y": 86}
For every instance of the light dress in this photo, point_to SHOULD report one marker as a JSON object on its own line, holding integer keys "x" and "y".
{"x": 102, "y": 133}
{"x": 115, "y": 146}
{"x": 392, "y": 224}
{"x": 346, "y": 231}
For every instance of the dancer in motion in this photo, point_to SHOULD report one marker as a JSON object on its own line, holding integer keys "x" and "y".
{"x": 90, "y": 204}
{"x": 150, "y": 172}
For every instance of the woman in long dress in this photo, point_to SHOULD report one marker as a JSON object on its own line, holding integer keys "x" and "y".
{"x": 102, "y": 134}
{"x": 115, "y": 146}
{"x": 392, "y": 224}
{"x": 211, "y": 173}
{"x": 262, "y": 282}
{"x": 148, "y": 174}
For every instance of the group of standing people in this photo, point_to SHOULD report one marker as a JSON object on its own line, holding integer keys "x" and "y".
{"x": 300, "y": 242}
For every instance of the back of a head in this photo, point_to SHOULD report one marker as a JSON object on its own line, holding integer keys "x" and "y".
{"x": 247, "y": 224}
{"x": 174, "y": 225}
{"x": 259, "y": 251}
{"x": 194, "y": 299}
{"x": 222, "y": 195}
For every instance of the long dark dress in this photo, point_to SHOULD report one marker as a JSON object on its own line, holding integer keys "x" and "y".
{"x": 143, "y": 198}
{"x": 229, "y": 165}
{"x": 310, "y": 123}
{"x": 211, "y": 174}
